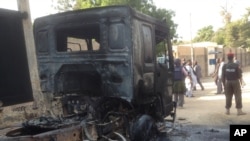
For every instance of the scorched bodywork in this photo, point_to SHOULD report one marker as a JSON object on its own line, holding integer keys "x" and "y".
{"x": 100, "y": 77}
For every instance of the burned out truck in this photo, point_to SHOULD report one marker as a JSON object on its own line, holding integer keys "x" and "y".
{"x": 100, "y": 77}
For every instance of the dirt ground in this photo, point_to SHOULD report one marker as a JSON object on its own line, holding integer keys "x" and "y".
{"x": 203, "y": 116}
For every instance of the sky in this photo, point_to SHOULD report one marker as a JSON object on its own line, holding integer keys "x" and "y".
{"x": 38, "y": 8}
{"x": 190, "y": 15}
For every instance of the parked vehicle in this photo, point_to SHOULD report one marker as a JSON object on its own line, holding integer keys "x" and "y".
{"x": 99, "y": 73}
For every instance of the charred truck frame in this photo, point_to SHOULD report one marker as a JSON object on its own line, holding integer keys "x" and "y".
{"x": 100, "y": 77}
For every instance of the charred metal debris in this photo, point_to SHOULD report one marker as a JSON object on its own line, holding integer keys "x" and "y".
{"x": 100, "y": 77}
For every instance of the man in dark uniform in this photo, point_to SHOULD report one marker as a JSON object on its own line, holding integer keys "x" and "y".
{"x": 179, "y": 87}
{"x": 231, "y": 76}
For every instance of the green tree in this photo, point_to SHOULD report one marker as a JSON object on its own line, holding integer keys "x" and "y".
{"x": 219, "y": 36}
{"x": 144, "y": 6}
{"x": 247, "y": 15}
{"x": 140, "y": 5}
{"x": 245, "y": 30}
{"x": 64, "y": 5}
{"x": 231, "y": 34}
{"x": 236, "y": 33}
{"x": 204, "y": 34}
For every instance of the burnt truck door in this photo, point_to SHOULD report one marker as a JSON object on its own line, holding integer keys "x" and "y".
{"x": 164, "y": 72}
{"x": 157, "y": 78}
{"x": 15, "y": 84}
{"x": 148, "y": 59}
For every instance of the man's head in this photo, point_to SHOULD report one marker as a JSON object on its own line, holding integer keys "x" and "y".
{"x": 183, "y": 61}
{"x": 189, "y": 62}
{"x": 195, "y": 62}
{"x": 230, "y": 56}
{"x": 177, "y": 62}
{"x": 218, "y": 60}
{"x": 222, "y": 59}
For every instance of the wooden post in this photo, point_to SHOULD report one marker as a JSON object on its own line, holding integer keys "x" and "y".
{"x": 23, "y": 6}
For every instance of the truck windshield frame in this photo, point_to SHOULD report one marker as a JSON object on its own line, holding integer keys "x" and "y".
{"x": 78, "y": 38}
{"x": 88, "y": 37}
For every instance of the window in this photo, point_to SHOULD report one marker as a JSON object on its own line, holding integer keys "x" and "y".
{"x": 116, "y": 36}
{"x": 147, "y": 43}
{"x": 77, "y": 39}
{"x": 78, "y": 44}
{"x": 42, "y": 44}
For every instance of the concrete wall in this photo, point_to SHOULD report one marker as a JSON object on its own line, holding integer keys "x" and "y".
{"x": 206, "y": 59}
{"x": 201, "y": 58}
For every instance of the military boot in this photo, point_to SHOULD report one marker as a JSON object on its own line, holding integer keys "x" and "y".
{"x": 239, "y": 112}
{"x": 227, "y": 112}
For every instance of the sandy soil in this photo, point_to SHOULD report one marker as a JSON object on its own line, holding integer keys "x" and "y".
{"x": 203, "y": 116}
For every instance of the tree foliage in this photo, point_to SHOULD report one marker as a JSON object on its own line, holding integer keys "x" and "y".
{"x": 144, "y": 6}
{"x": 233, "y": 34}
{"x": 232, "y": 31}
{"x": 218, "y": 36}
{"x": 64, "y": 5}
{"x": 245, "y": 30}
{"x": 204, "y": 34}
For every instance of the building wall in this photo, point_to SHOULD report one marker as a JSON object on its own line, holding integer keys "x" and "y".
{"x": 211, "y": 61}
{"x": 207, "y": 60}
{"x": 201, "y": 58}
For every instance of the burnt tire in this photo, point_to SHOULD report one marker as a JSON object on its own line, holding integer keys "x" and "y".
{"x": 144, "y": 129}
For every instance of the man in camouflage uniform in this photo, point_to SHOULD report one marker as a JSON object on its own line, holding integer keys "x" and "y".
{"x": 231, "y": 76}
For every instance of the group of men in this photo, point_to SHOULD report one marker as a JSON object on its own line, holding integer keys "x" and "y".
{"x": 229, "y": 78}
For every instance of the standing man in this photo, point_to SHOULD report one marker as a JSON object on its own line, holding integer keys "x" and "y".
{"x": 215, "y": 73}
{"x": 236, "y": 61}
{"x": 190, "y": 81}
{"x": 197, "y": 70}
{"x": 179, "y": 87}
{"x": 220, "y": 86}
{"x": 231, "y": 76}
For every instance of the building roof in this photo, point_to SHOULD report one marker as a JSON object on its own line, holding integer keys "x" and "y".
{"x": 201, "y": 44}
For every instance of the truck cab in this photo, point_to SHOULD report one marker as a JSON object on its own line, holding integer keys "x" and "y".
{"x": 100, "y": 65}
{"x": 104, "y": 52}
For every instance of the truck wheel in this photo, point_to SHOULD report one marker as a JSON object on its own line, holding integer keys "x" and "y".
{"x": 144, "y": 129}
